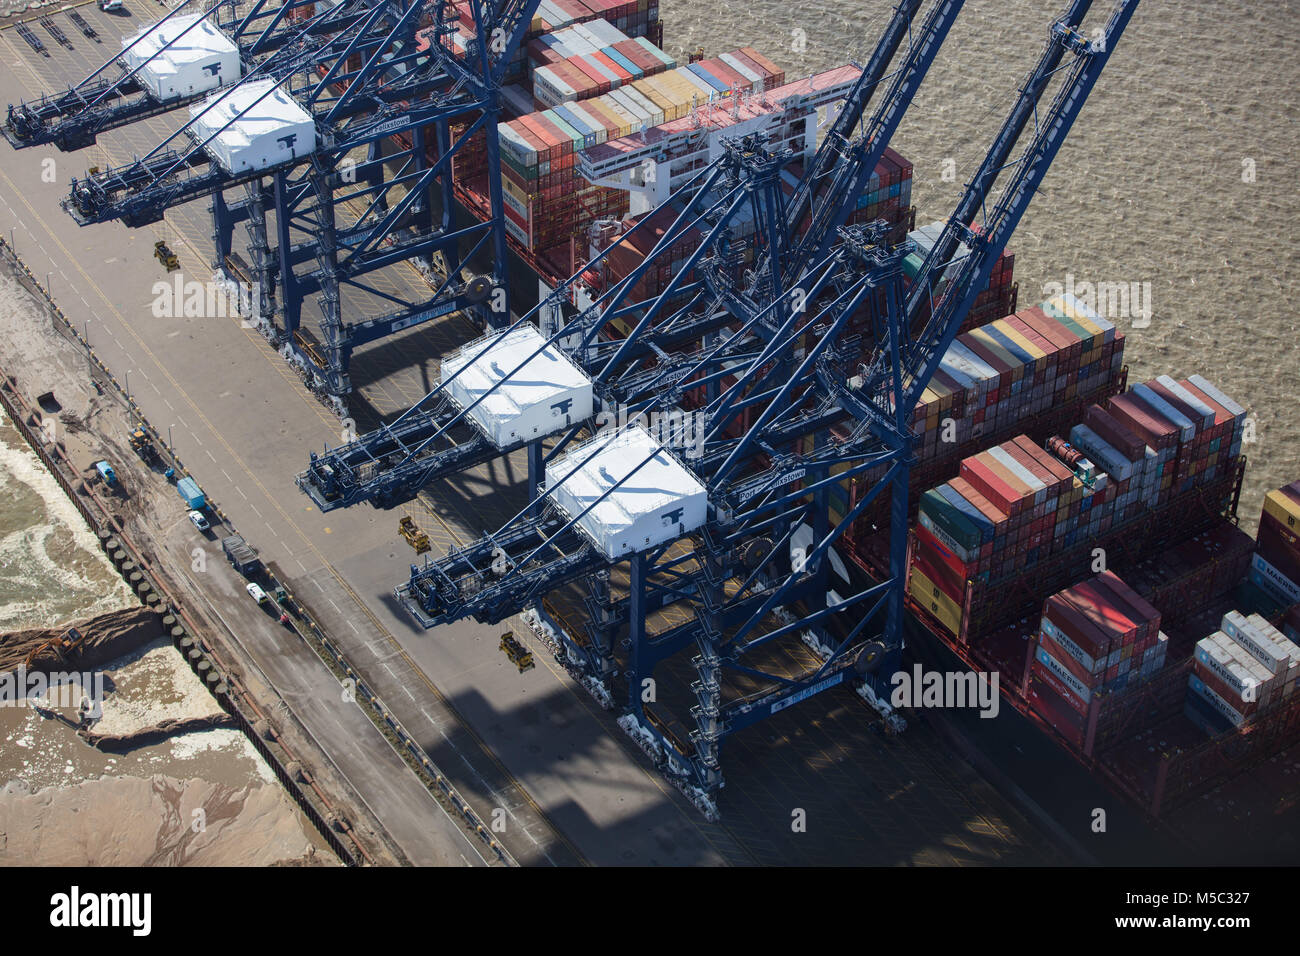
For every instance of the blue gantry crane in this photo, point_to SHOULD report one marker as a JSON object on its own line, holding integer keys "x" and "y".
{"x": 381, "y": 113}
{"x": 433, "y": 438}
{"x": 663, "y": 575}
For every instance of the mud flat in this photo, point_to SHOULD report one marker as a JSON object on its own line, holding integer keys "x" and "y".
{"x": 153, "y": 821}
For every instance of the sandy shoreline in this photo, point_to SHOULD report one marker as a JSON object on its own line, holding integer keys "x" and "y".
{"x": 61, "y": 801}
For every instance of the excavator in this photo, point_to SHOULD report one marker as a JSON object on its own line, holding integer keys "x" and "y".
{"x": 64, "y": 645}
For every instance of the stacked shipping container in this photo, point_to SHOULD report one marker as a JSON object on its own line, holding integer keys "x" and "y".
{"x": 1014, "y": 367}
{"x": 1097, "y": 637}
{"x": 1014, "y": 506}
{"x": 547, "y": 202}
{"x": 997, "y": 299}
{"x": 1246, "y": 668}
{"x": 1162, "y": 438}
{"x": 1275, "y": 570}
{"x": 637, "y": 18}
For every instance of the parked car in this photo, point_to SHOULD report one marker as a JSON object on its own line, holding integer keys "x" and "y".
{"x": 107, "y": 5}
{"x": 199, "y": 521}
{"x": 256, "y": 593}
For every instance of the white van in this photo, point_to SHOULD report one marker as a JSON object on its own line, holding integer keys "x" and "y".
{"x": 256, "y": 593}
{"x": 107, "y": 5}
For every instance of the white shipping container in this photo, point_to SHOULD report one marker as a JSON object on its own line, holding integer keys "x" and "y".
{"x": 553, "y": 14}
{"x": 645, "y": 104}
{"x": 597, "y": 125}
{"x": 550, "y": 89}
{"x": 605, "y": 32}
{"x": 746, "y": 72}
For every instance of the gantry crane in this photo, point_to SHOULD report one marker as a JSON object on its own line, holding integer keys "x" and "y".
{"x": 432, "y": 439}
{"x": 371, "y": 89}
{"x": 802, "y": 374}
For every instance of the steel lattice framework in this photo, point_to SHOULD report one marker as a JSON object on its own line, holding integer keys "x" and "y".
{"x": 376, "y": 99}
{"x": 797, "y": 374}
{"x": 803, "y": 373}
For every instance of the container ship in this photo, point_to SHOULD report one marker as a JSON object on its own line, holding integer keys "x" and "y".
{"x": 606, "y": 128}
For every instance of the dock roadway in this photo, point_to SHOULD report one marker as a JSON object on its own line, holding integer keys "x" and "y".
{"x": 534, "y": 746}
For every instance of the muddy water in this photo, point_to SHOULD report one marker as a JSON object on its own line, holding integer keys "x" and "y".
{"x": 1181, "y": 172}
{"x": 51, "y": 569}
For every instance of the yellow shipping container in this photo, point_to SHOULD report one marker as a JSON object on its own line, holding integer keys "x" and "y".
{"x": 1005, "y": 328}
{"x": 1283, "y": 510}
{"x": 945, "y": 609}
{"x": 515, "y": 190}
{"x": 1060, "y": 303}
{"x": 989, "y": 342}
{"x": 671, "y": 88}
{"x": 657, "y": 97}
{"x": 621, "y": 117}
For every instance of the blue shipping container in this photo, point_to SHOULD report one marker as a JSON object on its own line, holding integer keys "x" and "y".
{"x": 189, "y": 490}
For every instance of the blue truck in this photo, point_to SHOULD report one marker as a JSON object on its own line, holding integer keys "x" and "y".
{"x": 192, "y": 494}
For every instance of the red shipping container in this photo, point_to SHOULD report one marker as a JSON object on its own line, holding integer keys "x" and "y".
{"x": 939, "y": 554}
{"x": 991, "y": 486}
{"x": 1039, "y": 672}
{"x": 1149, "y": 426}
{"x": 968, "y": 491}
{"x": 1056, "y": 712}
{"x": 725, "y": 74}
{"x": 1114, "y": 432}
{"x": 598, "y": 82}
{"x": 1094, "y": 643}
{"x": 623, "y": 75}
{"x": 1100, "y": 608}
{"x": 1063, "y": 476}
{"x": 750, "y": 64}
{"x": 774, "y": 71}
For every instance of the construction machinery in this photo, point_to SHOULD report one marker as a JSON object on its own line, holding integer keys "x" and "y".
{"x": 346, "y": 105}
{"x": 163, "y": 253}
{"x": 416, "y": 538}
{"x": 705, "y": 572}
{"x": 142, "y": 444}
{"x": 685, "y": 573}
{"x": 64, "y": 646}
{"x": 517, "y": 654}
